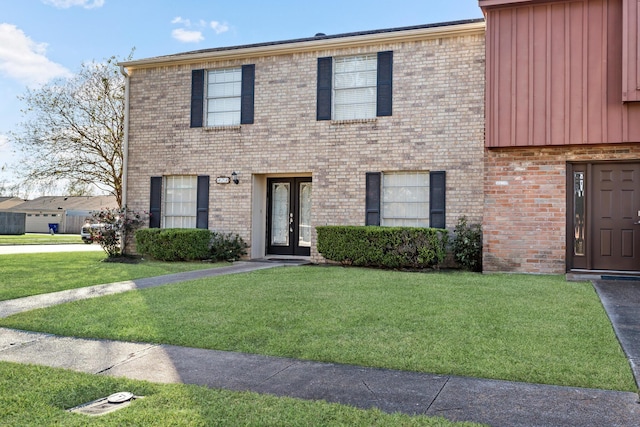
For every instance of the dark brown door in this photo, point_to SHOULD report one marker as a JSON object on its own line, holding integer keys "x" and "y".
{"x": 615, "y": 211}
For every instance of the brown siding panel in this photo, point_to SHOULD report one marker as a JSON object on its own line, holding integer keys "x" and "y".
{"x": 631, "y": 50}
{"x": 555, "y": 73}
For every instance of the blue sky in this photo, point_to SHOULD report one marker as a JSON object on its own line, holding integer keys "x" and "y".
{"x": 44, "y": 39}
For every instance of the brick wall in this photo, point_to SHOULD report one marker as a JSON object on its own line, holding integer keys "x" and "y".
{"x": 437, "y": 124}
{"x": 525, "y": 204}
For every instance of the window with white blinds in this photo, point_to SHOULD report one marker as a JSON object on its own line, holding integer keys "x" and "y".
{"x": 180, "y": 201}
{"x": 355, "y": 87}
{"x": 405, "y": 199}
{"x": 223, "y": 101}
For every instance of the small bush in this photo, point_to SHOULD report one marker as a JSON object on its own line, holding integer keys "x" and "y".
{"x": 387, "y": 247}
{"x": 174, "y": 244}
{"x": 227, "y": 247}
{"x": 467, "y": 245}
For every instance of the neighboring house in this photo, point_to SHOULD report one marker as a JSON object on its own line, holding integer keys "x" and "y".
{"x": 68, "y": 213}
{"x": 562, "y": 186}
{"x": 271, "y": 140}
{"x": 9, "y": 202}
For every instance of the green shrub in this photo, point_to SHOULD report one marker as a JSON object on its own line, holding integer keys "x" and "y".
{"x": 388, "y": 247}
{"x": 174, "y": 244}
{"x": 227, "y": 247}
{"x": 467, "y": 245}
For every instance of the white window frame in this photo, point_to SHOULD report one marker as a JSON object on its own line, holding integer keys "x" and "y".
{"x": 355, "y": 87}
{"x": 180, "y": 201}
{"x": 223, "y": 97}
{"x": 405, "y": 199}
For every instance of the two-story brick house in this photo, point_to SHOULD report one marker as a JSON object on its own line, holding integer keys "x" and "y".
{"x": 271, "y": 140}
{"x": 562, "y": 183}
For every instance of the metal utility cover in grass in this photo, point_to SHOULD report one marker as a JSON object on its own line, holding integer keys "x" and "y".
{"x": 106, "y": 404}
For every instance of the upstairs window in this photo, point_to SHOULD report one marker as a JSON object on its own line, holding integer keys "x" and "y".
{"x": 222, "y": 97}
{"x": 224, "y": 88}
{"x": 355, "y": 87}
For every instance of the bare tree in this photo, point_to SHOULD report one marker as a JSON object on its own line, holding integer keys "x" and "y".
{"x": 74, "y": 129}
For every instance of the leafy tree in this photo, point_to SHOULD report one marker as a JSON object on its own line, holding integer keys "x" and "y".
{"x": 74, "y": 129}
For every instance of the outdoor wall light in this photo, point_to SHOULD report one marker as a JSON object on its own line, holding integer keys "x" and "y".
{"x": 234, "y": 177}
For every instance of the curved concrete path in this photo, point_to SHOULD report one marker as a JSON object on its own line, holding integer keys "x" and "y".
{"x": 496, "y": 403}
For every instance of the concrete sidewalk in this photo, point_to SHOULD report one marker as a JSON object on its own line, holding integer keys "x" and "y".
{"x": 496, "y": 403}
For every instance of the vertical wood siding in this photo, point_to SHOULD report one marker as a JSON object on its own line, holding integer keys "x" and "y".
{"x": 631, "y": 50}
{"x": 554, "y": 75}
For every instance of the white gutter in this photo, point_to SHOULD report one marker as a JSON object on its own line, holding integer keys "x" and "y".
{"x": 125, "y": 147}
{"x": 125, "y": 143}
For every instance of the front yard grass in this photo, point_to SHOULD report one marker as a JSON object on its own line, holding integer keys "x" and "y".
{"x": 537, "y": 329}
{"x": 39, "y": 396}
{"x": 32, "y": 274}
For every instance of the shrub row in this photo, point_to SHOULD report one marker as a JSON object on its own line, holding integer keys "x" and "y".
{"x": 388, "y": 247}
{"x": 188, "y": 244}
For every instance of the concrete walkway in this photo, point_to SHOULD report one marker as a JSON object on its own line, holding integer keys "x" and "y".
{"x": 10, "y": 307}
{"x": 496, "y": 403}
{"x": 621, "y": 300}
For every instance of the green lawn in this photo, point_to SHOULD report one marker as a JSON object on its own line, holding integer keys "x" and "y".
{"x": 40, "y": 239}
{"x": 537, "y": 329}
{"x": 31, "y": 274}
{"x": 39, "y": 396}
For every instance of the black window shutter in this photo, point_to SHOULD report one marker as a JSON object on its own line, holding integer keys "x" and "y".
{"x": 202, "y": 202}
{"x": 197, "y": 98}
{"x": 385, "y": 83}
{"x": 437, "y": 196}
{"x": 155, "y": 202}
{"x": 247, "y": 94}
{"x": 373, "y": 198}
{"x": 325, "y": 71}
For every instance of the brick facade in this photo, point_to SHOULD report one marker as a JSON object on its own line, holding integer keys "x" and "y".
{"x": 525, "y": 207}
{"x": 437, "y": 124}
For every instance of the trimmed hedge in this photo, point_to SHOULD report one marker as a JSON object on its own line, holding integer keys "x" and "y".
{"x": 174, "y": 244}
{"x": 387, "y": 247}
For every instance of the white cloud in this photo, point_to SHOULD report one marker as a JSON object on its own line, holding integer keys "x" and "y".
{"x": 65, "y": 4}
{"x": 187, "y": 36}
{"x": 181, "y": 21}
{"x": 193, "y": 32}
{"x": 24, "y": 60}
{"x": 219, "y": 28}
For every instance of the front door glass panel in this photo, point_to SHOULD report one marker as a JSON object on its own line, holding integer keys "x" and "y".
{"x": 304, "y": 225}
{"x": 579, "y": 213}
{"x": 280, "y": 214}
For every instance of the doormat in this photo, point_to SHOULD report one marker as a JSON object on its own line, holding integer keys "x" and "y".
{"x": 106, "y": 405}
{"x": 629, "y": 278}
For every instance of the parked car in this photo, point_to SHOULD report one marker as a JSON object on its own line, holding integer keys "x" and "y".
{"x": 85, "y": 231}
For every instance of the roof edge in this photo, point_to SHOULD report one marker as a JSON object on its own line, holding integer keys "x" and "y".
{"x": 315, "y": 43}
